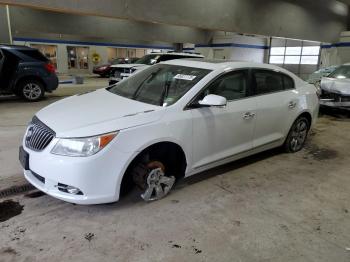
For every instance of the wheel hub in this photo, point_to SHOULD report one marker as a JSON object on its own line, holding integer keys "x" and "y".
{"x": 158, "y": 185}
{"x": 299, "y": 136}
{"x": 31, "y": 91}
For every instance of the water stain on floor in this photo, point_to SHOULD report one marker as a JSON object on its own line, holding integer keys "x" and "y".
{"x": 320, "y": 153}
{"x": 35, "y": 194}
{"x": 9, "y": 209}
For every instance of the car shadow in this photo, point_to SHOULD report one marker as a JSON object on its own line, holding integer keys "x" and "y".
{"x": 338, "y": 113}
{"x": 133, "y": 198}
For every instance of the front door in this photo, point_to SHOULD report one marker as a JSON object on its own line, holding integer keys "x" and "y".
{"x": 221, "y": 132}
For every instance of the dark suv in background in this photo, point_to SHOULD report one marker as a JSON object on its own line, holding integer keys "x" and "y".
{"x": 25, "y": 72}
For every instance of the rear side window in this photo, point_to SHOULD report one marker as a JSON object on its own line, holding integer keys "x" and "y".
{"x": 267, "y": 81}
{"x": 34, "y": 54}
{"x": 288, "y": 82}
{"x": 1, "y": 56}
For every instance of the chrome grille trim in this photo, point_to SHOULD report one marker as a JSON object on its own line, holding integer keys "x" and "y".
{"x": 38, "y": 135}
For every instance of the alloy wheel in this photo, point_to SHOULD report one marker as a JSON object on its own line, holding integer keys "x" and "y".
{"x": 158, "y": 185}
{"x": 299, "y": 134}
{"x": 32, "y": 91}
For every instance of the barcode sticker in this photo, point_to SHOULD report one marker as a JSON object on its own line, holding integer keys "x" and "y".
{"x": 184, "y": 77}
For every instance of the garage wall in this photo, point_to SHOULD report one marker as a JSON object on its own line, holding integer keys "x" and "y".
{"x": 336, "y": 53}
{"x": 237, "y": 47}
{"x": 97, "y": 47}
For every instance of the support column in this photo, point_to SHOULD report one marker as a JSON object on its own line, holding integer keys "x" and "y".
{"x": 178, "y": 47}
{"x": 5, "y": 25}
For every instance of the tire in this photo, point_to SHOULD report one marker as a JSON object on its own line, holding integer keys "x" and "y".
{"x": 31, "y": 90}
{"x": 297, "y": 135}
{"x": 151, "y": 178}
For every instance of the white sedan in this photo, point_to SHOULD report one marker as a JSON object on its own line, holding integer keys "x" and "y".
{"x": 171, "y": 120}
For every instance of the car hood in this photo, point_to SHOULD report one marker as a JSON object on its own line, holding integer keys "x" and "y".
{"x": 334, "y": 85}
{"x": 127, "y": 65}
{"x": 97, "y": 112}
{"x": 106, "y": 65}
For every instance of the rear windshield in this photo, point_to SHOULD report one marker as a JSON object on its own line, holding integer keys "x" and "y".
{"x": 148, "y": 60}
{"x": 34, "y": 54}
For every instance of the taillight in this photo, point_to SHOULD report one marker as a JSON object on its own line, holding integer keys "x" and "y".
{"x": 50, "y": 68}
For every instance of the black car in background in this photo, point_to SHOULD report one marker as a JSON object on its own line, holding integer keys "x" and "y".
{"x": 25, "y": 72}
{"x": 105, "y": 70}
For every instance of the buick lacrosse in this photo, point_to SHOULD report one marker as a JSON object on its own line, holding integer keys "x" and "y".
{"x": 169, "y": 121}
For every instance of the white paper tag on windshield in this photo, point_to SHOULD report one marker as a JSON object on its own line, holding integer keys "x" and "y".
{"x": 184, "y": 77}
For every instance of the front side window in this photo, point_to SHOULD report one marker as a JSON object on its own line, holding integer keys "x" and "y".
{"x": 160, "y": 84}
{"x": 267, "y": 81}
{"x": 341, "y": 72}
{"x": 232, "y": 86}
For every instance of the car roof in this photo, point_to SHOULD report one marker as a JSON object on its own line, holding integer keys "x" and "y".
{"x": 17, "y": 47}
{"x": 220, "y": 64}
{"x": 178, "y": 53}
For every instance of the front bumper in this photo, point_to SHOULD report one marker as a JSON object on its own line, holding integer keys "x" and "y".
{"x": 332, "y": 103}
{"x": 98, "y": 176}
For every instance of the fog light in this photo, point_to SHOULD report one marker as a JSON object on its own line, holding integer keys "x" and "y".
{"x": 69, "y": 189}
{"x": 72, "y": 190}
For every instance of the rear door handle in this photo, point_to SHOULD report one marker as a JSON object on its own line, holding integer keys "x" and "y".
{"x": 292, "y": 104}
{"x": 248, "y": 115}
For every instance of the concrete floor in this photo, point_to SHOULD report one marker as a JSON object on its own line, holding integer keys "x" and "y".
{"x": 269, "y": 207}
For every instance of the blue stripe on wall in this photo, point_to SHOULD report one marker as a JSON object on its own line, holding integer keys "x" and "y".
{"x": 235, "y": 45}
{"x": 342, "y": 44}
{"x": 40, "y": 40}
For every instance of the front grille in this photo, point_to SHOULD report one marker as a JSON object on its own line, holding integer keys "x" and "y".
{"x": 335, "y": 97}
{"x": 38, "y": 135}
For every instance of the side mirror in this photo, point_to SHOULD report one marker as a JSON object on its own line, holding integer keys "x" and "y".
{"x": 213, "y": 100}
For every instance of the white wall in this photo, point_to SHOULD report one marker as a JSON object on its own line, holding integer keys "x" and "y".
{"x": 243, "y": 48}
{"x": 338, "y": 53}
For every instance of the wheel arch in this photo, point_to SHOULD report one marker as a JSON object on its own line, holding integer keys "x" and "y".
{"x": 172, "y": 148}
{"x": 28, "y": 77}
{"x": 305, "y": 114}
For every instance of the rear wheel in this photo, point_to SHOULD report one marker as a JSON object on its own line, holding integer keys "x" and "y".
{"x": 297, "y": 135}
{"x": 152, "y": 178}
{"x": 31, "y": 90}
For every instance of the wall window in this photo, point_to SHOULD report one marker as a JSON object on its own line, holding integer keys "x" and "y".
{"x": 78, "y": 57}
{"x": 293, "y": 52}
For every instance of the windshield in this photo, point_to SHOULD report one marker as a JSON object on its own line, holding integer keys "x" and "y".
{"x": 160, "y": 84}
{"x": 148, "y": 59}
{"x": 341, "y": 72}
{"x": 118, "y": 61}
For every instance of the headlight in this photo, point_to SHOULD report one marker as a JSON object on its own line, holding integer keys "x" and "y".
{"x": 86, "y": 146}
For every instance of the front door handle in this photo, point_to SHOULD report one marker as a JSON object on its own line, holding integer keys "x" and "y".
{"x": 248, "y": 115}
{"x": 292, "y": 104}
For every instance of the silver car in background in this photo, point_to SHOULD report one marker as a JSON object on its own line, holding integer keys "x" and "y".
{"x": 335, "y": 89}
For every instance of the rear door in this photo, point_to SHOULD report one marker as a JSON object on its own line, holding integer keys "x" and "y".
{"x": 277, "y": 104}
